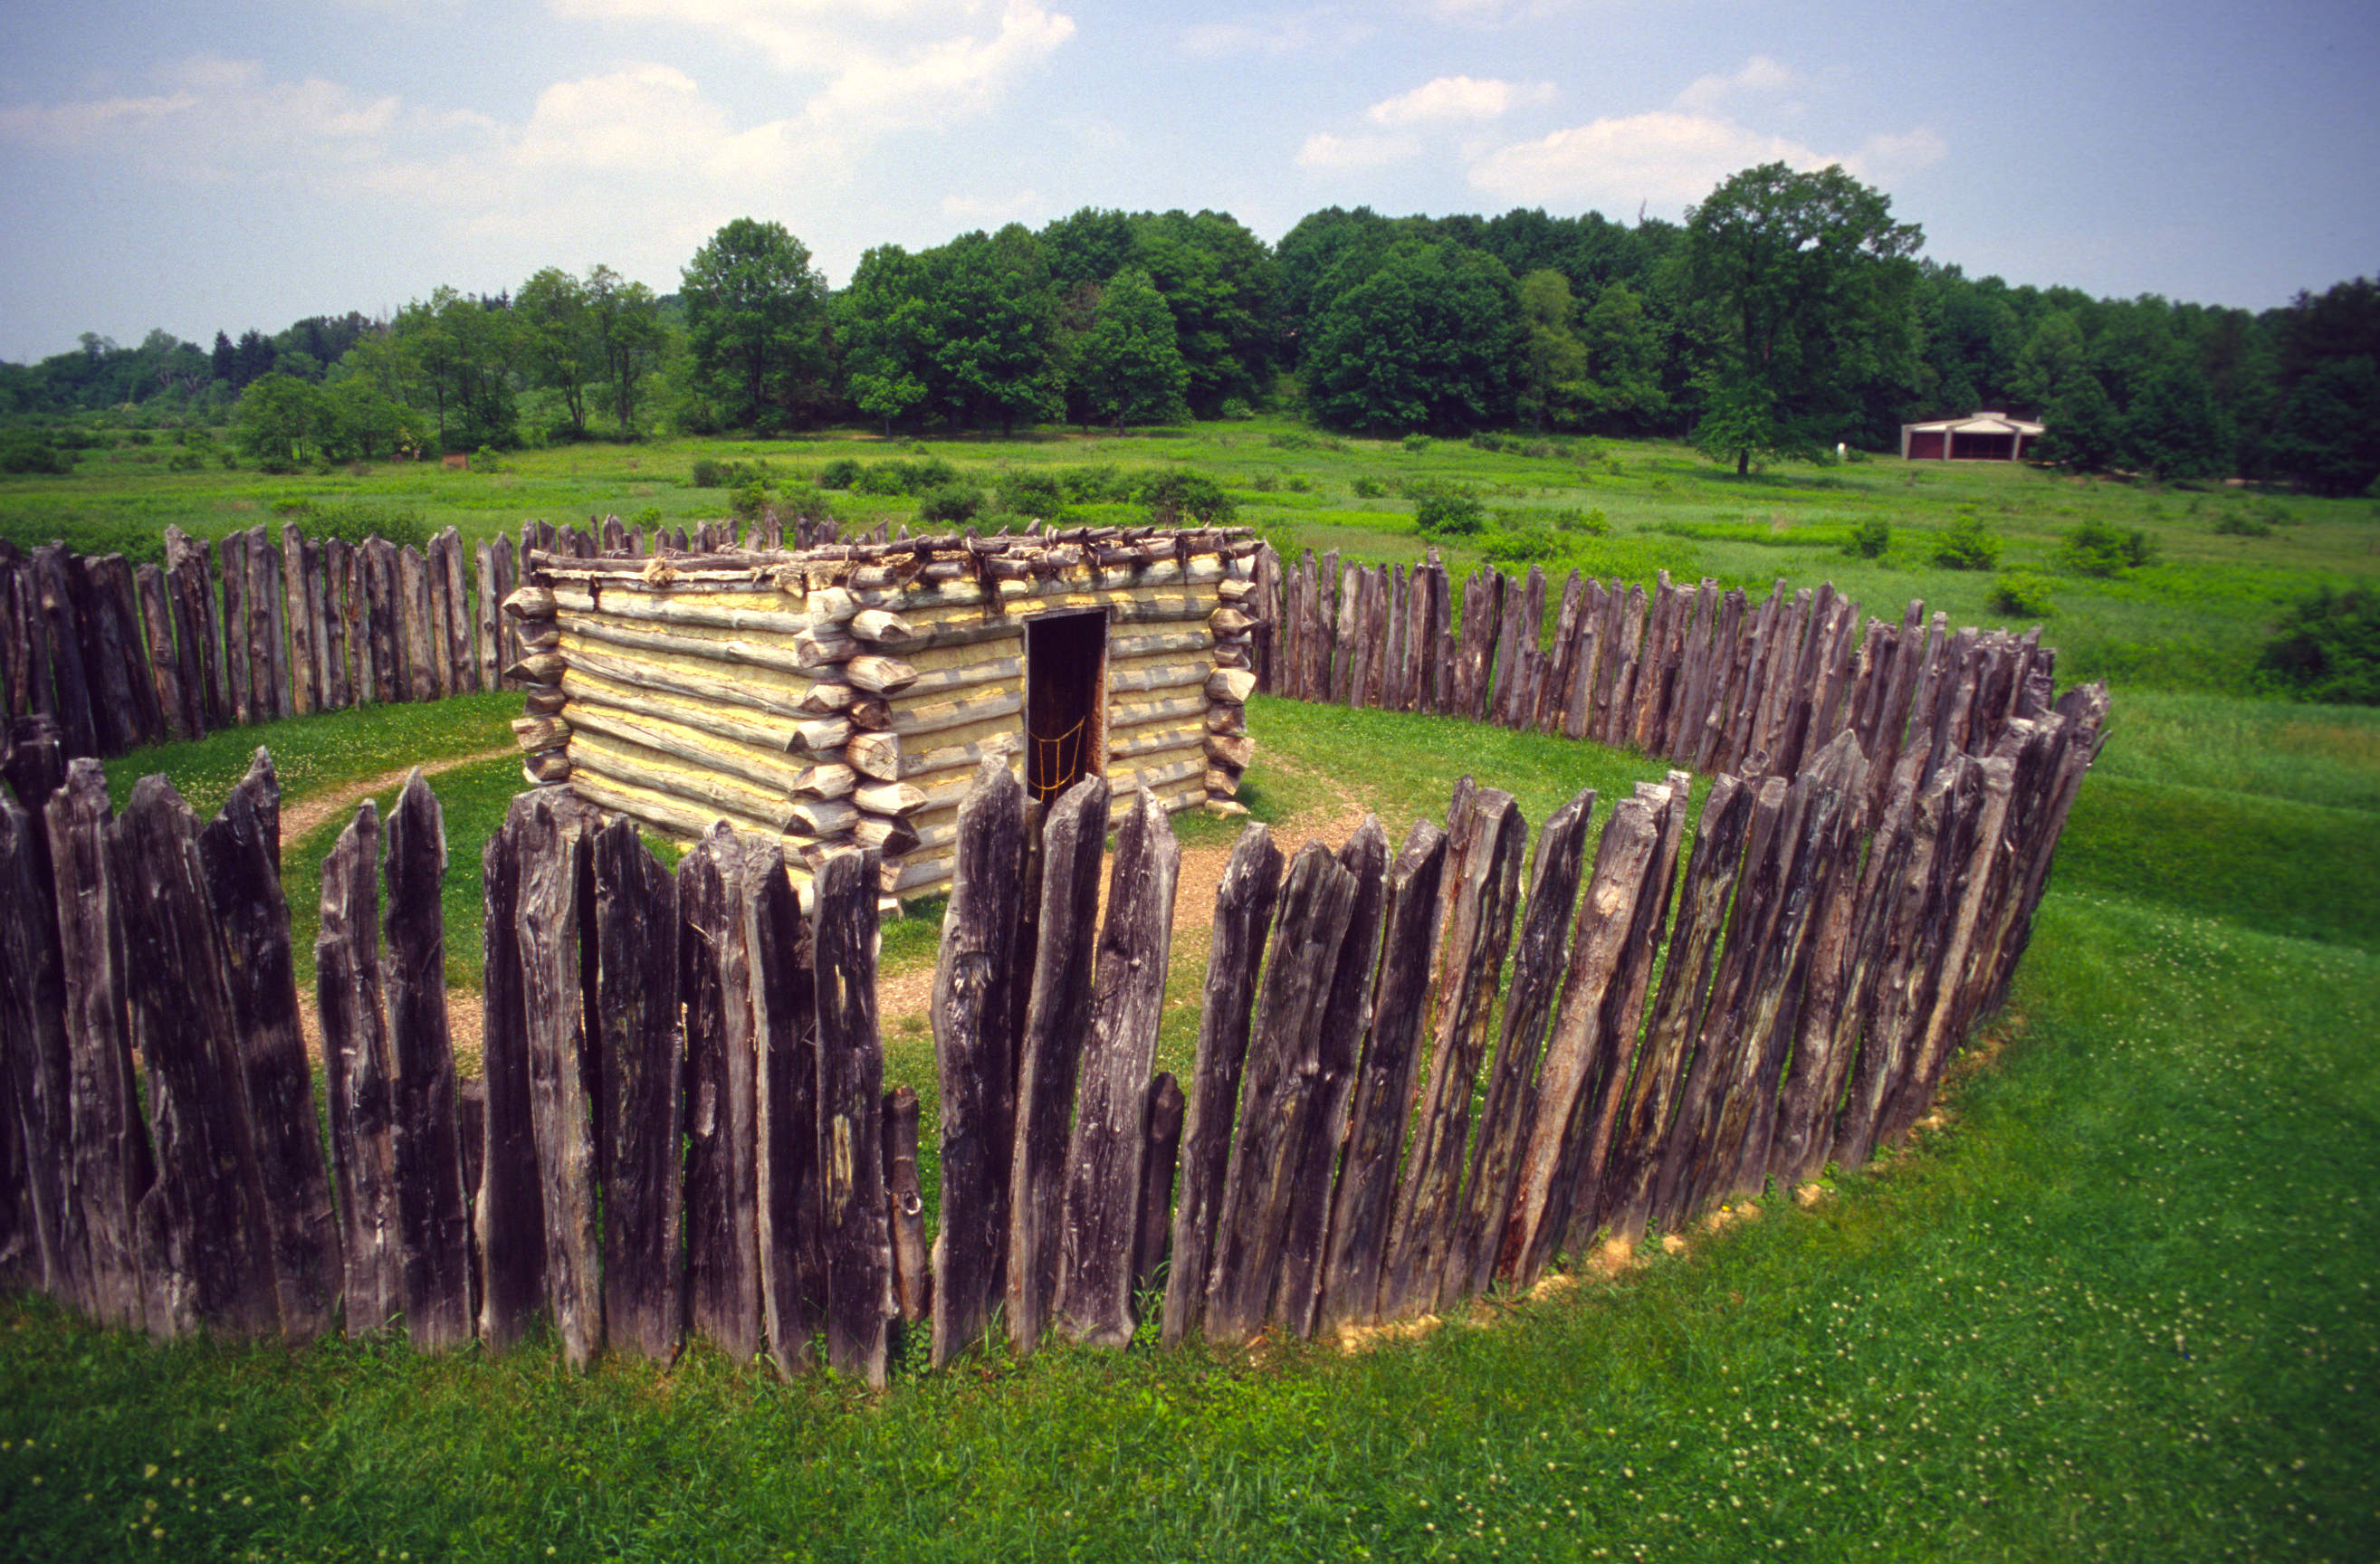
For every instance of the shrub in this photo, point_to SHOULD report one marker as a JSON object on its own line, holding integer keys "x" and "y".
{"x": 1870, "y": 538}
{"x": 2023, "y": 596}
{"x": 2095, "y": 548}
{"x": 22, "y": 449}
{"x": 650, "y": 517}
{"x": 1179, "y": 494}
{"x": 1236, "y": 409}
{"x": 1968, "y": 545}
{"x": 2237, "y": 524}
{"x": 1594, "y": 523}
{"x": 355, "y": 520}
{"x": 840, "y": 473}
{"x": 2327, "y": 648}
{"x": 1485, "y": 442}
{"x": 1095, "y": 485}
{"x": 709, "y": 472}
{"x": 484, "y": 460}
{"x": 748, "y": 499}
{"x": 1264, "y": 483}
{"x": 1370, "y": 488}
{"x": 952, "y": 504}
{"x": 1444, "y": 509}
{"x": 1031, "y": 492}
{"x": 1415, "y": 443}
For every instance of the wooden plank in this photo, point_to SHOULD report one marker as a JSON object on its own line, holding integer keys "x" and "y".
{"x": 721, "y": 1201}
{"x": 1635, "y": 1155}
{"x": 262, "y": 598}
{"x": 33, "y": 1015}
{"x": 109, "y": 1157}
{"x": 641, "y": 1107}
{"x": 116, "y": 652}
{"x": 509, "y": 1210}
{"x": 341, "y": 685}
{"x": 1338, "y": 1054}
{"x": 1158, "y": 1164}
{"x": 1049, "y": 1048}
{"x": 1361, "y": 1207}
{"x": 305, "y": 694}
{"x": 1510, "y": 1104}
{"x": 858, "y": 1242}
{"x": 1105, "y": 1160}
{"x": 1317, "y": 898}
{"x": 789, "y": 1167}
{"x": 551, "y": 918}
{"x": 347, "y": 974}
{"x": 427, "y": 1159}
{"x": 205, "y": 1235}
{"x": 425, "y": 652}
{"x": 241, "y": 851}
{"x": 1245, "y": 898}
{"x": 460, "y": 649}
{"x": 392, "y": 679}
{"x": 1482, "y": 885}
{"x": 157, "y": 641}
{"x": 905, "y": 1207}
{"x": 1578, "y": 1047}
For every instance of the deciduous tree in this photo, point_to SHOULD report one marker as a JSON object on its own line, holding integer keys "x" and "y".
{"x": 756, "y": 313}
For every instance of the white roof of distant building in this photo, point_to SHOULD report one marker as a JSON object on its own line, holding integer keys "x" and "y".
{"x": 1989, "y": 421}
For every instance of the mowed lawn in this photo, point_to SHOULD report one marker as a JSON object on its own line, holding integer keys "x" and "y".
{"x": 2117, "y": 1303}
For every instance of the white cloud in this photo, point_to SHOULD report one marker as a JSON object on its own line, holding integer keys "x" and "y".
{"x": 993, "y": 212}
{"x": 214, "y": 117}
{"x": 1669, "y": 159}
{"x": 1761, "y": 77}
{"x": 1457, "y": 98}
{"x": 1881, "y": 155}
{"x": 1278, "y": 33}
{"x": 1323, "y": 150}
{"x": 862, "y": 46}
{"x": 1490, "y": 13}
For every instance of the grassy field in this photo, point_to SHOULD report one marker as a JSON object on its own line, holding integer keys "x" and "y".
{"x": 2117, "y": 1304}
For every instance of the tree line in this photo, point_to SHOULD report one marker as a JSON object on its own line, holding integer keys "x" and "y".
{"x": 1789, "y": 312}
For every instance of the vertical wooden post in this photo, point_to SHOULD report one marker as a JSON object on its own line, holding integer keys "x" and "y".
{"x": 1338, "y": 1056}
{"x": 428, "y": 1160}
{"x": 858, "y": 1242}
{"x": 39, "y": 1068}
{"x": 1483, "y": 883}
{"x": 1243, "y": 908}
{"x": 1056, "y": 1017}
{"x": 905, "y": 1207}
{"x": 975, "y": 1054}
{"x": 510, "y": 1206}
{"x": 298, "y": 559}
{"x": 789, "y": 1169}
{"x": 1093, "y": 1302}
{"x": 462, "y": 661}
{"x": 721, "y": 1102}
{"x": 1157, "y": 1167}
{"x": 641, "y": 1107}
{"x": 241, "y": 848}
{"x": 157, "y": 638}
{"x": 1276, "y": 1100}
{"x": 204, "y": 1238}
{"x": 1505, "y": 1115}
{"x": 356, "y": 1057}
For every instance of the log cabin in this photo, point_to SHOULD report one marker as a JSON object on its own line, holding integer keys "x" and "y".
{"x": 843, "y": 694}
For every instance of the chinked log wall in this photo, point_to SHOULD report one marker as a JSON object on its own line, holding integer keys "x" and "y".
{"x": 266, "y": 624}
{"x": 842, "y": 695}
{"x": 689, "y": 1055}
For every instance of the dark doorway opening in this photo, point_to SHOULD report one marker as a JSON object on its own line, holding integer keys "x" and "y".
{"x": 1066, "y": 700}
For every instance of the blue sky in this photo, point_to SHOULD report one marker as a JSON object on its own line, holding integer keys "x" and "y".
{"x": 196, "y": 165}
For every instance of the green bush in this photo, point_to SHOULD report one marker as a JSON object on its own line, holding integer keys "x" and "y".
{"x": 1594, "y": 523}
{"x": 1446, "y": 509}
{"x": 2096, "y": 548}
{"x": 24, "y": 451}
{"x": 840, "y": 473}
{"x": 1180, "y": 495}
{"x": 951, "y": 504}
{"x": 1415, "y": 443}
{"x": 1102, "y": 484}
{"x": 2327, "y": 648}
{"x": 1870, "y": 538}
{"x": 355, "y": 520}
{"x": 748, "y": 499}
{"x": 2238, "y": 524}
{"x": 1370, "y": 488}
{"x": 2021, "y": 595}
{"x": 709, "y": 472}
{"x": 1968, "y": 545}
{"x": 1264, "y": 483}
{"x": 1031, "y": 492}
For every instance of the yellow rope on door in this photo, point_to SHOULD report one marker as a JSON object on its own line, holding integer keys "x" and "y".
{"x": 1054, "y": 760}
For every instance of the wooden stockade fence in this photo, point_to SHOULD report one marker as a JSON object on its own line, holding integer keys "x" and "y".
{"x": 268, "y": 623}
{"x": 1709, "y": 679}
{"x": 1366, "y": 1134}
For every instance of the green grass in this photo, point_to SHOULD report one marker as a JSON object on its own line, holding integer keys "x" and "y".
{"x": 2118, "y": 1305}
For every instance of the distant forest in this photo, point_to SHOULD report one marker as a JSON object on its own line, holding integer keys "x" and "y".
{"x": 1787, "y": 313}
